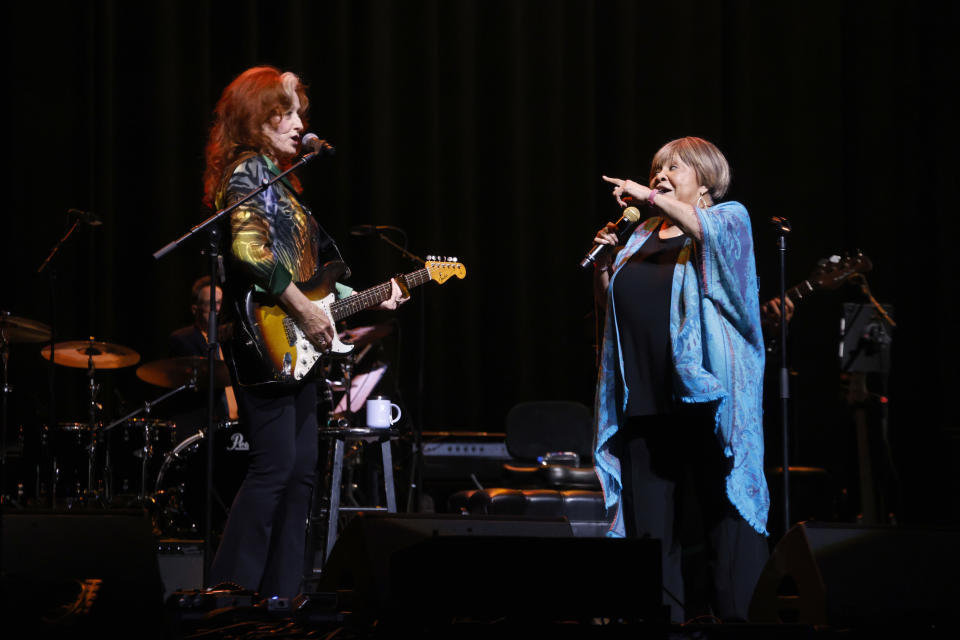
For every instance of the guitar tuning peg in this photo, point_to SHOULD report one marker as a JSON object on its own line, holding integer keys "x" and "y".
{"x": 430, "y": 257}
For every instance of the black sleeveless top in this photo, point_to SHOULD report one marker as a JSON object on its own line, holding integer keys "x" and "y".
{"x": 641, "y": 293}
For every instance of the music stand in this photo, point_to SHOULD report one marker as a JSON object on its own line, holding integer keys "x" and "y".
{"x": 361, "y": 385}
{"x": 865, "y": 338}
{"x": 866, "y": 335}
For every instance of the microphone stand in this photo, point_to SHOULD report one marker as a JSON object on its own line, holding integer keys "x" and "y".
{"x": 782, "y": 228}
{"x": 52, "y": 272}
{"x": 413, "y": 485}
{"x": 213, "y": 346}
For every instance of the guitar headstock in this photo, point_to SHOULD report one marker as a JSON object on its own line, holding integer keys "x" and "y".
{"x": 442, "y": 270}
{"x": 833, "y": 271}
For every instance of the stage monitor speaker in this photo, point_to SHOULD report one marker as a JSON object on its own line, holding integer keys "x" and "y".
{"x": 849, "y": 576}
{"x": 81, "y": 573}
{"x": 416, "y": 567}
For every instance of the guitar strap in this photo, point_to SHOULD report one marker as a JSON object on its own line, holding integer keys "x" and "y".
{"x": 327, "y": 246}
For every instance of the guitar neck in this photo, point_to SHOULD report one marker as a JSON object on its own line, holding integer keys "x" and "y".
{"x": 374, "y": 295}
{"x": 797, "y": 293}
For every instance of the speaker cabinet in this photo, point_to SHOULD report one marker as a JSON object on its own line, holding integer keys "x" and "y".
{"x": 855, "y": 576}
{"x": 82, "y": 573}
{"x": 406, "y": 567}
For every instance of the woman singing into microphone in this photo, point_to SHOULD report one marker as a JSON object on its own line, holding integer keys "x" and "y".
{"x": 678, "y": 403}
{"x": 274, "y": 244}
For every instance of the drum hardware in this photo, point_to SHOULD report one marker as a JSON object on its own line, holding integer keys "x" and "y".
{"x": 161, "y": 373}
{"x": 13, "y": 329}
{"x": 91, "y": 354}
{"x": 173, "y": 514}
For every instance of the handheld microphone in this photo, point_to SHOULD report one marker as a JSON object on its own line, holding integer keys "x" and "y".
{"x": 629, "y": 217}
{"x": 87, "y": 217}
{"x": 313, "y": 143}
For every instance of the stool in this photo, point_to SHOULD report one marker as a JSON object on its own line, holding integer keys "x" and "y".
{"x": 340, "y": 436}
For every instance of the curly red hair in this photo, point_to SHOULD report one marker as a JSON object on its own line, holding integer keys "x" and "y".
{"x": 252, "y": 99}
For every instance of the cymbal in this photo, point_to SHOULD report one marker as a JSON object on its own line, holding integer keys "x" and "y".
{"x": 16, "y": 329}
{"x": 173, "y": 372}
{"x": 105, "y": 355}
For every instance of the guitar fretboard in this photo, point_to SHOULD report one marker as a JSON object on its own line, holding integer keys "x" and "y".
{"x": 374, "y": 295}
{"x": 796, "y": 293}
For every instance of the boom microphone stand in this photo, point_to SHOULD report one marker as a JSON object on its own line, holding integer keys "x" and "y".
{"x": 415, "y": 426}
{"x": 213, "y": 345}
{"x": 78, "y": 216}
{"x": 782, "y": 228}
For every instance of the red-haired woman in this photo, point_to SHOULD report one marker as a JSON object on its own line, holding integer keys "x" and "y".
{"x": 274, "y": 243}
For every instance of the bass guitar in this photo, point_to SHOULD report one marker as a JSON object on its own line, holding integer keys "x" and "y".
{"x": 829, "y": 273}
{"x": 283, "y": 346}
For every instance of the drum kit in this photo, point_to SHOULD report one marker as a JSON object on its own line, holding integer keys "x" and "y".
{"x": 138, "y": 460}
{"x": 133, "y": 461}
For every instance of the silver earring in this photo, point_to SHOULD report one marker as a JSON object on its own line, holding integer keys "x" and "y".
{"x": 701, "y": 199}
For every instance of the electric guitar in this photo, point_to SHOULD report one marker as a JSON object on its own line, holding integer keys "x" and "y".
{"x": 283, "y": 347}
{"x": 829, "y": 273}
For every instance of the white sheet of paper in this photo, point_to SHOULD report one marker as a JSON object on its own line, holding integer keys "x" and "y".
{"x": 360, "y": 387}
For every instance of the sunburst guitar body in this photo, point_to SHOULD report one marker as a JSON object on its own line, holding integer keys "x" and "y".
{"x": 284, "y": 348}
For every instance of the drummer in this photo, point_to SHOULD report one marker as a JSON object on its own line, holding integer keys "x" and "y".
{"x": 190, "y": 410}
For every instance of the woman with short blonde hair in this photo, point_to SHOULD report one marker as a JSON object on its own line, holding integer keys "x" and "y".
{"x": 678, "y": 404}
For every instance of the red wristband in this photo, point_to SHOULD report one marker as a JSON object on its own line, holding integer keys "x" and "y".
{"x": 653, "y": 194}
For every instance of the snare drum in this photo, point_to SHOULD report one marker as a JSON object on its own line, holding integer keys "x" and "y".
{"x": 131, "y": 443}
{"x": 181, "y": 481}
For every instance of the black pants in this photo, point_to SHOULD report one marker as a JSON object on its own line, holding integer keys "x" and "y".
{"x": 667, "y": 461}
{"x": 264, "y": 541}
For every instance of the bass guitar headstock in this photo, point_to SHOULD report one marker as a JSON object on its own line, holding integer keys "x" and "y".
{"x": 831, "y": 272}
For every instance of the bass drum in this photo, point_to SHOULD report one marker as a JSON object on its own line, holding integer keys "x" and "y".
{"x": 182, "y": 481}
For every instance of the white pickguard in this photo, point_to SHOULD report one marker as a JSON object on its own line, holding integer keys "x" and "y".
{"x": 307, "y": 354}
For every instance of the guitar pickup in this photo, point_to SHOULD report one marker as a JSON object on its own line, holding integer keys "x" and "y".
{"x": 289, "y": 329}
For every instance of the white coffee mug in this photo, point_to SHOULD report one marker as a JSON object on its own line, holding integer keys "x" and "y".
{"x": 380, "y": 413}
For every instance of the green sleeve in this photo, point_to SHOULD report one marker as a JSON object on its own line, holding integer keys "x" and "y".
{"x": 279, "y": 279}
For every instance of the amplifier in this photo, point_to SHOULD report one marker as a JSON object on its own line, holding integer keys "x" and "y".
{"x": 181, "y": 564}
{"x": 465, "y": 444}
{"x": 458, "y": 454}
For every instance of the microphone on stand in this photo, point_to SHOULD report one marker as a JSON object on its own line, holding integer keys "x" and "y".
{"x": 627, "y": 220}
{"x": 87, "y": 217}
{"x": 780, "y": 226}
{"x": 313, "y": 143}
{"x": 364, "y": 230}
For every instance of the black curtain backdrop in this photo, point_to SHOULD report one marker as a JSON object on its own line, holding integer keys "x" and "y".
{"x": 482, "y": 129}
